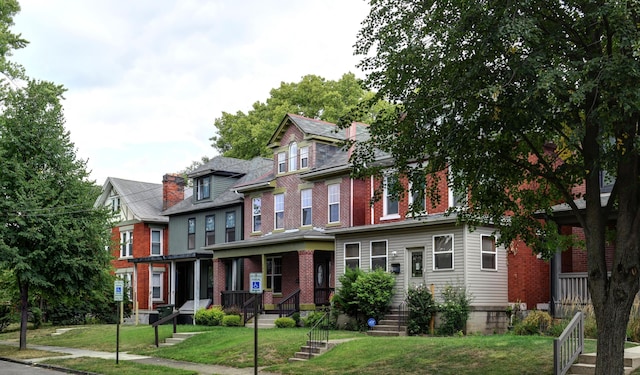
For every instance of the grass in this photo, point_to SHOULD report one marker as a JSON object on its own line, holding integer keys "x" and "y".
{"x": 15, "y": 353}
{"x": 109, "y": 367}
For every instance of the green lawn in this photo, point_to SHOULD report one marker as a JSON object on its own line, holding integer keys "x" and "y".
{"x": 109, "y": 367}
{"x": 233, "y": 346}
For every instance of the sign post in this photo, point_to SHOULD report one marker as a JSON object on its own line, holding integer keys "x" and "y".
{"x": 118, "y": 296}
{"x": 255, "y": 279}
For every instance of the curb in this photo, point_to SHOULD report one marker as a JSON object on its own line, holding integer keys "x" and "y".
{"x": 46, "y": 366}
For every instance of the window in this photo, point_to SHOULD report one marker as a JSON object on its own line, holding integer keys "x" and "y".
{"x": 191, "y": 233}
{"x": 278, "y": 208}
{"x": 115, "y": 204}
{"x": 293, "y": 156}
{"x": 274, "y": 274}
{"x": 156, "y": 286}
{"x": 607, "y": 180}
{"x": 417, "y": 265}
{"x": 334, "y": 203}
{"x": 256, "y": 225}
{"x": 390, "y": 202}
{"x": 443, "y": 252}
{"x": 202, "y": 188}
{"x": 352, "y": 255}
{"x": 379, "y": 255}
{"x": 456, "y": 198}
{"x": 282, "y": 162}
{"x": 230, "y": 227}
{"x": 305, "y": 203}
{"x": 126, "y": 244}
{"x": 209, "y": 230}
{"x": 127, "y": 277}
{"x": 156, "y": 241}
{"x": 304, "y": 157}
{"x": 489, "y": 253}
{"x": 417, "y": 196}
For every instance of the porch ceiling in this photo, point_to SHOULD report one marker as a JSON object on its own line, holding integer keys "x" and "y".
{"x": 172, "y": 258}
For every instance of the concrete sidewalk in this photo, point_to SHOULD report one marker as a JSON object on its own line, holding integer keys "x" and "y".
{"x": 123, "y": 356}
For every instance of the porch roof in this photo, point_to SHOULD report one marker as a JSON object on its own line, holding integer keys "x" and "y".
{"x": 408, "y": 223}
{"x": 563, "y": 213}
{"x": 281, "y": 242}
{"x": 172, "y": 257}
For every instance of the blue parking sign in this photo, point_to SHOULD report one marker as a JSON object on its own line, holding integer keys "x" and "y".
{"x": 256, "y": 282}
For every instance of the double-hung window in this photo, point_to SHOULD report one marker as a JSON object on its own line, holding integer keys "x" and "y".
{"x": 209, "y": 230}
{"x": 443, "y": 252}
{"x": 202, "y": 188}
{"x": 417, "y": 196}
{"x": 256, "y": 221}
{"x": 489, "y": 253}
{"x": 305, "y": 203}
{"x": 230, "y": 226}
{"x": 156, "y": 286}
{"x": 274, "y": 274}
{"x": 379, "y": 255}
{"x": 304, "y": 157}
{"x": 293, "y": 156}
{"x": 390, "y": 202}
{"x": 278, "y": 209}
{"x": 352, "y": 255}
{"x": 191, "y": 233}
{"x": 334, "y": 203}
{"x": 282, "y": 162}
{"x": 126, "y": 244}
{"x": 156, "y": 241}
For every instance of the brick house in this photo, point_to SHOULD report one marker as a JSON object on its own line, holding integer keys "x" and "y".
{"x": 306, "y": 191}
{"x": 139, "y": 231}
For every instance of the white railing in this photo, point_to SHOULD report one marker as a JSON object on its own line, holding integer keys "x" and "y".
{"x": 573, "y": 287}
{"x": 569, "y": 345}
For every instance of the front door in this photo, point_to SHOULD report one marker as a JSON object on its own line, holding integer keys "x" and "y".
{"x": 415, "y": 259}
{"x": 321, "y": 277}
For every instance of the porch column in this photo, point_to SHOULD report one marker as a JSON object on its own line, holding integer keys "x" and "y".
{"x": 134, "y": 292}
{"x": 172, "y": 284}
{"x": 556, "y": 269}
{"x": 306, "y": 279}
{"x": 218, "y": 281}
{"x": 196, "y": 288}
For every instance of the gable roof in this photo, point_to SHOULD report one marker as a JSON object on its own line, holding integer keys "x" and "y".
{"x": 312, "y": 128}
{"x": 143, "y": 199}
{"x": 222, "y": 165}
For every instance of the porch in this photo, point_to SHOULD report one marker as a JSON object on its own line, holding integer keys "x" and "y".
{"x": 570, "y": 292}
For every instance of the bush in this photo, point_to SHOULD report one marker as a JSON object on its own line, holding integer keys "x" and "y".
{"x": 534, "y": 323}
{"x": 35, "y": 317}
{"x": 454, "y": 309}
{"x": 209, "y": 317}
{"x": 6, "y": 316}
{"x": 345, "y": 299}
{"x": 296, "y": 317}
{"x": 633, "y": 329}
{"x": 313, "y": 317}
{"x": 233, "y": 310}
{"x": 285, "y": 322}
{"x": 374, "y": 291}
{"x": 232, "y": 321}
{"x": 421, "y": 308}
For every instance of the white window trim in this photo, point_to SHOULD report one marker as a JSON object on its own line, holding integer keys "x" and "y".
{"x": 128, "y": 244}
{"x": 452, "y": 252}
{"x": 411, "y": 202}
{"x": 330, "y": 202}
{"x": 126, "y": 275}
{"x": 351, "y": 258}
{"x": 303, "y": 207}
{"x": 494, "y": 253}
{"x": 276, "y": 211}
{"x": 293, "y": 157}
{"x": 151, "y": 241}
{"x": 386, "y": 254}
{"x": 200, "y": 183}
{"x": 385, "y": 210}
{"x": 254, "y": 215}
{"x": 282, "y": 161}
{"x": 153, "y": 271}
{"x": 304, "y": 155}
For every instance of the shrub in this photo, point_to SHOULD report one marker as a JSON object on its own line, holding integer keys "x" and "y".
{"x": 454, "y": 309}
{"x": 421, "y": 308}
{"x": 313, "y": 317}
{"x": 296, "y": 317}
{"x": 233, "y": 310}
{"x": 232, "y": 321}
{"x": 209, "y": 317}
{"x": 35, "y": 317}
{"x": 6, "y": 316}
{"x": 374, "y": 291}
{"x": 534, "y": 323}
{"x": 345, "y": 299}
{"x": 285, "y": 322}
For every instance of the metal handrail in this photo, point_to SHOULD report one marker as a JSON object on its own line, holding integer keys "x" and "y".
{"x": 248, "y": 308}
{"x": 569, "y": 345}
{"x": 402, "y": 315}
{"x": 319, "y": 334}
{"x": 289, "y": 305}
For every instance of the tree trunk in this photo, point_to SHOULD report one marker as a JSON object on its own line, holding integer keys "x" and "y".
{"x": 24, "y": 313}
{"x": 612, "y": 322}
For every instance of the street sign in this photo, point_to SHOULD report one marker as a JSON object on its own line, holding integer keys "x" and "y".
{"x": 118, "y": 290}
{"x": 255, "y": 279}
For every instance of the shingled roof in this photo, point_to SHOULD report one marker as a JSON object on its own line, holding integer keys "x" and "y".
{"x": 143, "y": 199}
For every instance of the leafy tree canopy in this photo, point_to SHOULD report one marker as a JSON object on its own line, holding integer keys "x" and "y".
{"x": 245, "y": 135}
{"x": 523, "y": 101}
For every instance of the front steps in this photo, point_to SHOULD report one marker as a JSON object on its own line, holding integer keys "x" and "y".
{"x": 307, "y": 351}
{"x": 389, "y": 326}
{"x": 178, "y": 337}
{"x": 264, "y": 321}
{"x": 586, "y": 363}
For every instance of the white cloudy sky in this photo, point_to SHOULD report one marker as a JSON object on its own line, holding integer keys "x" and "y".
{"x": 147, "y": 78}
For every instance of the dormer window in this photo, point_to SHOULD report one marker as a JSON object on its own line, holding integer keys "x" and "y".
{"x": 282, "y": 162}
{"x": 304, "y": 157}
{"x": 202, "y": 188}
{"x": 293, "y": 156}
{"x": 115, "y": 204}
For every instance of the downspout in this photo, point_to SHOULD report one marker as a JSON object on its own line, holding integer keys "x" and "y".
{"x": 351, "y": 202}
{"x": 372, "y": 206}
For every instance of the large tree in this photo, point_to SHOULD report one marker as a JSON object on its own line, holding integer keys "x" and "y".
{"x": 523, "y": 101}
{"x": 245, "y": 135}
{"x": 51, "y": 237}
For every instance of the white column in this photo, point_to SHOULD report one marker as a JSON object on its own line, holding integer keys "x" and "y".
{"x": 172, "y": 283}
{"x": 134, "y": 292}
{"x": 196, "y": 288}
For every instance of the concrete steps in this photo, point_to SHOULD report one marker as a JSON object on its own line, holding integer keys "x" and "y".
{"x": 264, "y": 321}
{"x": 389, "y": 326}
{"x": 586, "y": 363}
{"x": 311, "y": 350}
{"x": 178, "y": 337}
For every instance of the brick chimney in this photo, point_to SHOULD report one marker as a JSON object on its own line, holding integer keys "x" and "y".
{"x": 172, "y": 190}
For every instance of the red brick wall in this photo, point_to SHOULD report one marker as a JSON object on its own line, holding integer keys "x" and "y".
{"x": 528, "y": 276}
{"x": 219, "y": 281}
{"x": 305, "y": 267}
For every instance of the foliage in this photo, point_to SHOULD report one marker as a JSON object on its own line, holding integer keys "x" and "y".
{"x": 454, "y": 309}
{"x": 285, "y": 322}
{"x": 245, "y": 135}
{"x": 518, "y": 98}
{"x": 233, "y": 310}
{"x": 6, "y": 316}
{"x": 536, "y": 322}
{"x": 296, "y": 317}
{"x": 209, "y": 317}
{"x": 232, "y": 321}
{"x": 313, "y": 318}
{"x": 422, "y": 308}
{"x": 374, "y": 290}
{"x": 345, "y": 299}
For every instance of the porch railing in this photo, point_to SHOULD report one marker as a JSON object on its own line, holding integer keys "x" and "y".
{"x": 321, "y": 296}
{"x": 235, "y": 298}
{"x": 252, "y": 307}
{"x": 290, "y": 304}
{"x": 569, "y": 345}
{"x": 573, "y": 287}
{"x": 318, "y": 336}
{"x": 403, "y": 315}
